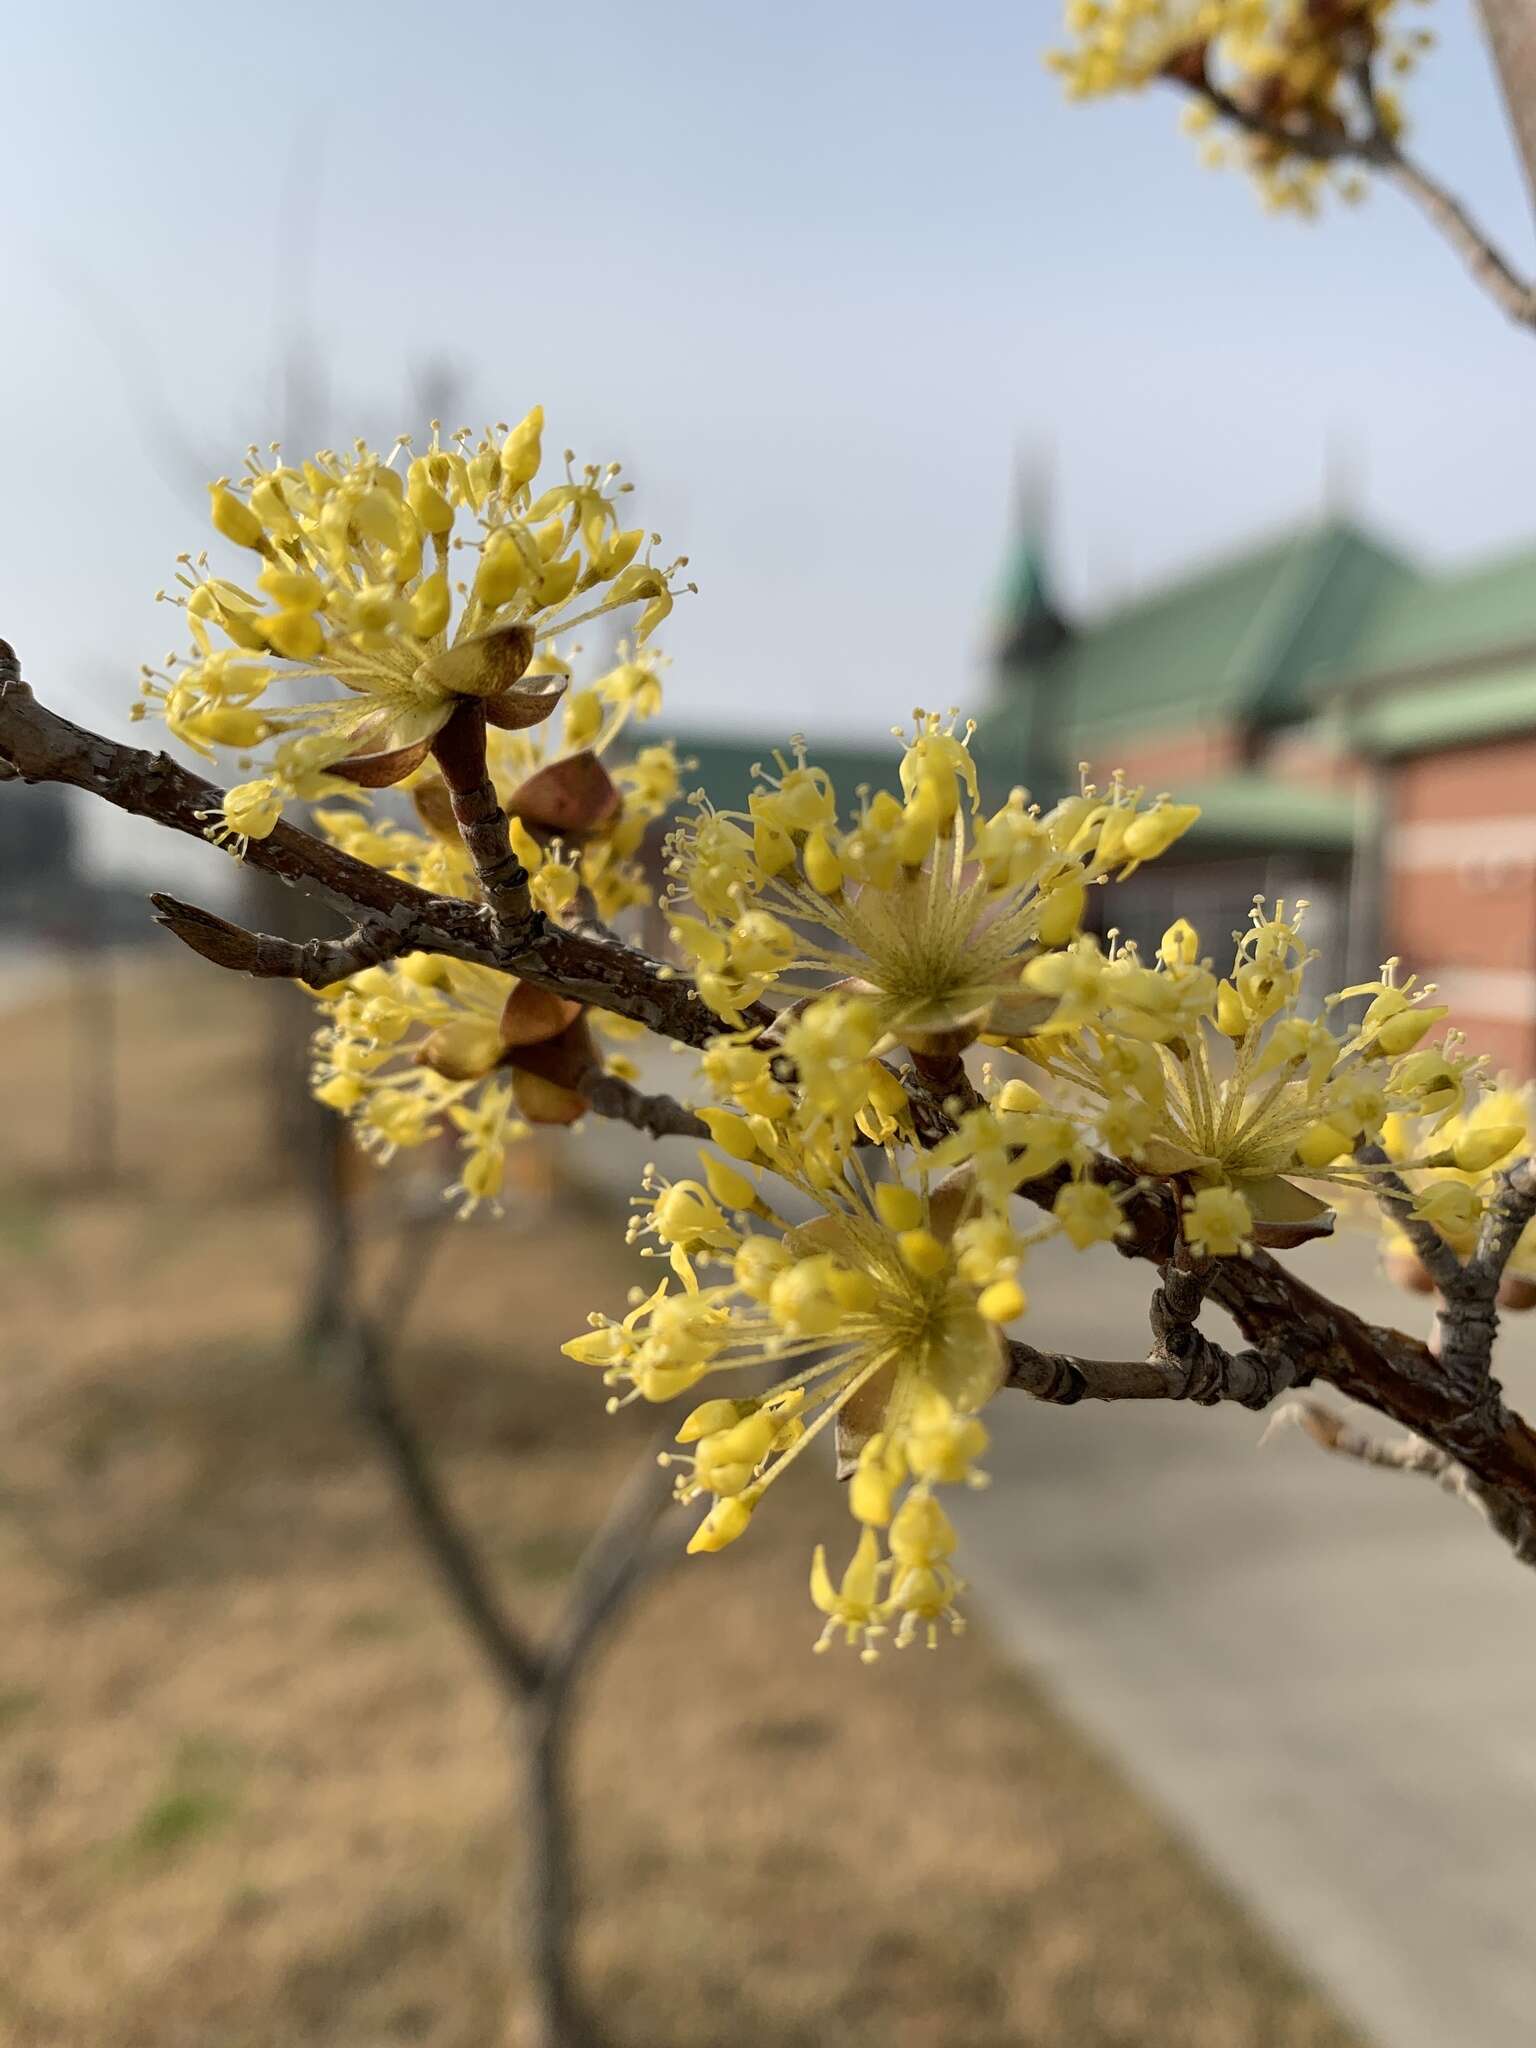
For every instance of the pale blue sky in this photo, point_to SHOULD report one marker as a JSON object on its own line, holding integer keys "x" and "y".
{"x": 813, "y": 272}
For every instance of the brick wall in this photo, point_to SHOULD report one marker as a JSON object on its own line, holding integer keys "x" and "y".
{"x": 1196, "y": 754}
{"x": 1460, "y": 900}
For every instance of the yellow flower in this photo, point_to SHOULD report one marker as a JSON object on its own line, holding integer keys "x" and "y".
{"x": 876, "y": 1315}
{"x": 923, "y": 908}
{"x": 1217, "y": 1222}
{"x": 1290, "y": 1094}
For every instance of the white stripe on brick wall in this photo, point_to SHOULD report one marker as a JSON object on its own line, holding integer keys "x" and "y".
{"x": 1500, "y": 994}
{"x": 1449, "y": 842}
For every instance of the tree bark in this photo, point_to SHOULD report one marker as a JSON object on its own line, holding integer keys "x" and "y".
{"x": 1511, "y": 28}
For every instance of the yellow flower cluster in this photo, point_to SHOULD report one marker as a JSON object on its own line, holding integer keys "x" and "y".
{"x": 1290, "y": 65}
{"x": 822, "y": 939}
{"x": 924, "y": 908}
{"x": 354, "y": 559}
{"x": 426, "y": 1045}
{"x": 879, "y": 1318}
{"x": 1450, "y": 1169}
{"x": 1231, "y": 1085}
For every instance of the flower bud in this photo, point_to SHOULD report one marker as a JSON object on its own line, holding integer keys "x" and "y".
{"x": 234, "y": 518}
{"x": 522, "y": 451}
{"x": 1061, "y": 912}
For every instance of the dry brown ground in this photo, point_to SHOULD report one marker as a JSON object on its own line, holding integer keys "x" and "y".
{"x": 254, "y": 1786}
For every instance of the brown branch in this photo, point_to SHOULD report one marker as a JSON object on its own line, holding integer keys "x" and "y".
{"x": 1205, "y": 1374}
{"x": 660, "y": 1116}
{"x": 42, "y": 747}
{"x": 1504, "y": 1222}
{"x": 1297, "y": 1334}
{"x": 459, "y": 751}
{"x": 514, "y": 1660}
{"x": 1332, "y": 1433}
{"x": 1488, "y": 266}
{"x": 1375, "y": 149}
{"x": 1511, "y": 27}
{"x": 1395, "y": 1197}
{"x": 264, "y": 956}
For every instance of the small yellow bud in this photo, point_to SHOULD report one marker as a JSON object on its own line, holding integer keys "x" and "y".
{"x": 293, "y": 589}
{"x": 342, "y": 1091}
{"x": 1451, "y": 1206}
{"x": 1231, "y": 1017}
{"x": 430, "y": 604}
{"x": 234, "y": 518}
{"x": 522, "y": 450}
{"x": 729, "y": 1186}
{"x": 559, "y": 580}
{"x": 922, "y": 1252}
{"x": 852, "y": 1290}
{"x": 710, "y": 1417}
{"x": 758, "y": 1264}
{"x": 1181, "y": 945}
{"x": 1061, "y": 913}
{"x": 873, "y": 1486}
{"x": 1154, "y": 831}
{"x": 1321, "y": 1143}
{"x": 731, "y": 1133}
{"x": 502, "y": 572}
{"x": 296, "y": 634}
{"x": 823, "y": 869}
{"x": 726, "y": 1520}
{"x": 1002, "y": 1301}
{"x": 433, "y": 511}
{"x": 1018, "y": 1097}
{"x": 1477, "y": 1150}
{"x": 1402, "y": 1033}
{"x": 898, "y": 1208}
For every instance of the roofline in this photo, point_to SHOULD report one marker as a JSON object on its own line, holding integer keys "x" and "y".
{"x": 1291, "y": 609}
{"x": 1418, "y": 675}
{"x": 1205, "y": 565}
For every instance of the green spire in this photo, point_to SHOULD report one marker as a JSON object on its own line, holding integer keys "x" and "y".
{"x": 1029, "y": 625}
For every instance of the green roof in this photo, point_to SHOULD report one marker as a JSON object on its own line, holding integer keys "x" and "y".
{"x": 1235, "y": 642}
{"x": 724, "y": 763}
{"x": 1424, "y": 622}
{"x": 1419, "y": 718}
{"x": 1242, "y": 810}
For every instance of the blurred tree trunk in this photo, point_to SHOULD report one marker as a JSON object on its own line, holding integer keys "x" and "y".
{"x": 310, "y": 1143}
{"x": 555, "y": 2015}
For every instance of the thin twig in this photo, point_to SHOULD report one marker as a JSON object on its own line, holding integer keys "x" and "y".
{"x": 1206, "y": 1375}
{"x": 1376, "y": 149}
{"x": 1504, "y": 1222}
{"x": 1396, "y": 1199}
{"x": 659, "y": 1116}
{"x": 514, "y": 1660}
{"x": 619, "y": 1555}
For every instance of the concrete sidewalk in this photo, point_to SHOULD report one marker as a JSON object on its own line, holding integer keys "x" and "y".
{"x": 1324, "y": 1673}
